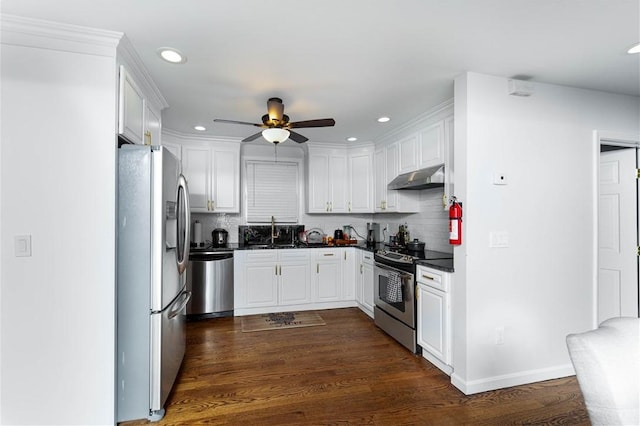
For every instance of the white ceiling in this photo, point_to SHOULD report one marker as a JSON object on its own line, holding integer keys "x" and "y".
{"x": 355, "y": 60}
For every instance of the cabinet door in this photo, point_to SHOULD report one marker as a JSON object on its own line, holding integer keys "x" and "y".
{"x": 318, "y": 196}
{"x": 359, "y": 276}
{"x": 391, "y": 167}
{"x": 225, "y": 181}
{"x": 349, "y": 257}
{"x": 328, "y": 275}
{"x": 367, "y": 282}
{"x": 407, "y": 154}
{"x": 261, "y": 285}
{"x": 196, "y": 162}
{"x": 295, "y": 283}
{"x": 329, "y": 278}
{"x": 432, "y": 333}
{"x": 360, "y": 183}
{"x": 152, "y": 132}
{"x": 431, "y": 152}
{"x": 131, "y": 109}
{"x": 338, "y": 203}
{"x": 380, "y": 180}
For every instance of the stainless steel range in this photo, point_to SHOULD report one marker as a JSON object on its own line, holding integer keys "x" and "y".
{"x": 395, "y": 302}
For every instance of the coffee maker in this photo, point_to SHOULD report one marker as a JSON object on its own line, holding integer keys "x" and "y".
{"x": 373, "y": 234}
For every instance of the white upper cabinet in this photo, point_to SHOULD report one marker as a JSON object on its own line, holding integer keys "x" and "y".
{"x": 152, "y": 125}
{"x": 213, "y": 176}
{"x": 386, "y": 169}
{"x": 361, "y": 181}
{"x": 431, "y": 150}
{"x": 131, "y": 109}
{"x": 138, "y": 120}
{"x": 337, "y": 178}
{"x": 340, "y": 180}
{"x": 423, "y": 149}
{"x": 318, "y": 194}
{"x": 407, "y": 154}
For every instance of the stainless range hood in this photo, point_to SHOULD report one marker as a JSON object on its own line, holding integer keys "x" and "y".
{"x": 431, "y": 177}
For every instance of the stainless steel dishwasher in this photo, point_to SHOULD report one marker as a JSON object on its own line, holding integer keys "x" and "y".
{"x": 210, "y": 281}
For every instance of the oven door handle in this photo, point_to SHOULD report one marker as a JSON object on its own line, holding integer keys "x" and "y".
{"x": 404, "y": 275}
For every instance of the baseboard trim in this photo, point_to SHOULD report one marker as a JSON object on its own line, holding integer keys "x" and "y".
{"x": 508, "y": 380}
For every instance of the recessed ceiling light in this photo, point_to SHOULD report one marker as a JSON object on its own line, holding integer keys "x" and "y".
{"x": 383, "y": 119}
{"x": 172, "y": 55}
{"x": 634, "y": 49}
{"x": 352, "y": 139}
{"x": 200, "y": 128}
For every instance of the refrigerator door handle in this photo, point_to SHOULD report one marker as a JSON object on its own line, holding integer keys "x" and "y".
{"x": 183, "y": 191}
{"x": 186, "y": 296}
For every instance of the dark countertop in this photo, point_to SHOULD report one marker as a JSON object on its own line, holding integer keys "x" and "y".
{"x": 445, "y": 265}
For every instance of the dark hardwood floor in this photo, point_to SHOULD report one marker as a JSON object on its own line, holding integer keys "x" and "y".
{"x": 347, "y": 372}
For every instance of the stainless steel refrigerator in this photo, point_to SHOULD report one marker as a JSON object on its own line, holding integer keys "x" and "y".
{"x": 152, "y": 256}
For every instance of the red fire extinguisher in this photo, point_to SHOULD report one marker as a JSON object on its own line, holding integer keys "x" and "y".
{"x": 455, "y": 222}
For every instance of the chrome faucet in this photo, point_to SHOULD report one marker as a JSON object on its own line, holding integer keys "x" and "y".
{"x": 274, "y": 234}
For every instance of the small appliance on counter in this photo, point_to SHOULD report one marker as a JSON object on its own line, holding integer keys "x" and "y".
{"x": 219, "y": 237}
{"x": 197, "y": 235}
{"x": 373, "y": 234}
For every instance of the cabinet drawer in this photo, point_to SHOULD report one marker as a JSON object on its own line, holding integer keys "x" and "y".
{"x": 432, "y": 278}
{"x": 328, "y": 254}
{"x": 293, "y": 254}
{"x": 262, "y": 256}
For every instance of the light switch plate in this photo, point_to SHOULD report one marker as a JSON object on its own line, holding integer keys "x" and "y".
{"x": 22, "y": 245}
{"x": 498, "y": 239}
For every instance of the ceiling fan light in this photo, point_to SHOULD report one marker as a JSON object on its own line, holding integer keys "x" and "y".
{"x": 275, "y": 135}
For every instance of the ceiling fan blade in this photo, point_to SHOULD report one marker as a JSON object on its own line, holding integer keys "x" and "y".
{"x": 252, "y": 137}
{"x": 219, "y": 120}
{"x": 297, "y": 137}
{"x": 322, "y": 122}
{"x": 275, "y": 109}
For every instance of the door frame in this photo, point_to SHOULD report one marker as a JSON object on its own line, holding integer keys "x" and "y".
{"x": 604, "y": 137}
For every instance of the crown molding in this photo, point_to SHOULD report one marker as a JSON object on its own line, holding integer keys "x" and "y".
{"x": 29, "y": 32}
{"x": 133, "y": 63}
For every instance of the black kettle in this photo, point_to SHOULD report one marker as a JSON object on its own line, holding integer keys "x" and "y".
{"x": 338, "y": 235}
{"x": 219, "y": 237}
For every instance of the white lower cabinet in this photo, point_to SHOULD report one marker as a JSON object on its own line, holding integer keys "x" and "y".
{"x": 294, "y": 285}
{"x": 364, "y": 282}
{"x": 434, "y": 316}
{"x": 328, "y": 278}
{"x": 293, "y": 279}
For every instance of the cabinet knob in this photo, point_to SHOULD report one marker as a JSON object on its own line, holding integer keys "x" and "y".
{"x": 147, "y": 138}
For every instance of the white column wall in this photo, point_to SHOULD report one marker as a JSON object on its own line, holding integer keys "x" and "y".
{"x": 58, "y": 184}
{"x": 540, "y": 287}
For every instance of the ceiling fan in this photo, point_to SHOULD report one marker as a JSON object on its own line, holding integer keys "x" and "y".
{"x": 276, "y": 124}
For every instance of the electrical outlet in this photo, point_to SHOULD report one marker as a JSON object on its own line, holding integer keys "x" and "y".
{"x": 499, "y": 335}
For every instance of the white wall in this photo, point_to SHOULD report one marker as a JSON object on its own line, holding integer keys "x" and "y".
{"x": 58, "y": 176}
{"x": 539, "y": 288}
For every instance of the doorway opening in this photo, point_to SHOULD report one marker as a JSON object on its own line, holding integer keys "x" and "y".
{"x": 618, "y": 274}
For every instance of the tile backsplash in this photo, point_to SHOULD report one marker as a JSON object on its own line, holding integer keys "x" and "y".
{"x": 430, "y": 225}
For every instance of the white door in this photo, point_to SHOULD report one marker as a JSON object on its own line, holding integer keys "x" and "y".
{"x": 617, "y": 235}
